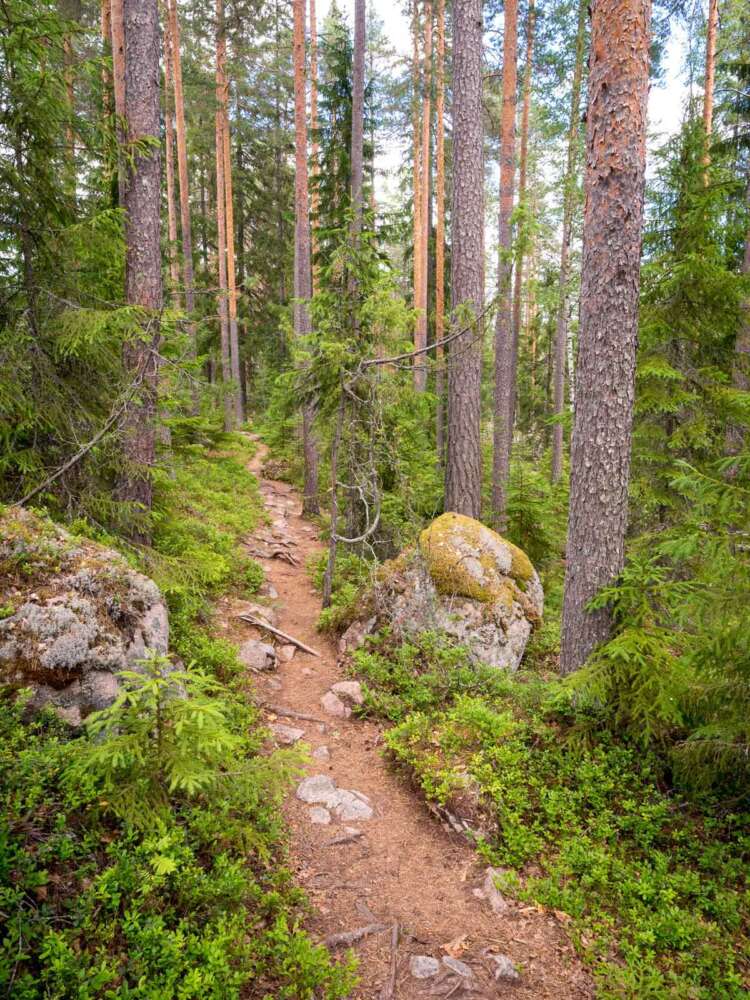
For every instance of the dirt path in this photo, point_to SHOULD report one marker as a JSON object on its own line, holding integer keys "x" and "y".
{"x": 404, "y": 868}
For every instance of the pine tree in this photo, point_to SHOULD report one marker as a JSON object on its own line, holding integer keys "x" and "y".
{"x": 463, "y": 474}
{"x": 600, "y": 448}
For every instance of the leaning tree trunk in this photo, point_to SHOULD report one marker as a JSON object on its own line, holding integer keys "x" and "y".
{"x": 463, "y": 475}
{"x": 523, "y": 163}
{"x": 504, "y": 373}
{"x": 142, "y": 251}
{"x": 302, "y": 253}
{"x": 605, "y": 375}
{"x": 440, "y": 229}
{"x": 569, "y": 186}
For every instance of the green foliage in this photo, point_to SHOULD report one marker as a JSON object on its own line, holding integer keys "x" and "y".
{"x": 657, "y": 892}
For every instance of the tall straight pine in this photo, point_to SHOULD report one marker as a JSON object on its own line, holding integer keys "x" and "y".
{"x": 605, "y": 375}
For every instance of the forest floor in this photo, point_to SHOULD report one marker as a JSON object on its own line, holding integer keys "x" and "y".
{"x": 405, "y": 870}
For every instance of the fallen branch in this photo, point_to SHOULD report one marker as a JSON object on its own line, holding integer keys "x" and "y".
{"x": 390, "y": 985}
{"x": 347, "y": 938}
{"x": 288, "y": 713}
{"x": 259, "y": 623}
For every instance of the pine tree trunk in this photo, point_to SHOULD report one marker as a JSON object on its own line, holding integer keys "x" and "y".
{"x": 221, "y": 225}
{"x": 117, "y": 25}
{"x": 106, "y": 33}
{"x": 710, "y": 75}
{"x": 420, "y": 339}
{"x": 522, "y": 172}
{"x": 302, "y": 253}
{"x": 188, "y": 279}
{"x": 605, "y": 375}
{"x": 143, "y": 288}
{"x": 569, "y": 186}
{"x": 463, "y": 487}
{"x": 234, "y": 343}
{"x": 416, "y": 182}
{"x": 358, "y": 117}
{"x": 504, "y": 373}
{"x": 440, "y": 229}
{"x": 315, "y": 145}
{"x": 174, "y": 267}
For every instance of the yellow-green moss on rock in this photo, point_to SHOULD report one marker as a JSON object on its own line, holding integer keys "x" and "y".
{"x": 466, "y": 558}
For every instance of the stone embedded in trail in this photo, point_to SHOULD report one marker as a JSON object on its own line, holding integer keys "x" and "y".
{"x": 287, "y": 735}
{"x": 460, "y": 968}
{"x": 423, "y": 966}
{"x": 464, "y": 580}
{"x": 322, "y": 753}
{"x": 346, "y": 804}
{"x": 316, "y": 788}
{"x": 260, "y": 611}
{"x": 286, "y": 653}
{"x": 320, "y": 815}
{"x": 505, "y": 970}
{"x": 498, "y": 903}
{"x": 257, "y": 655}
{"x": 335, "y": 706}
{"x": 349, "y": 692}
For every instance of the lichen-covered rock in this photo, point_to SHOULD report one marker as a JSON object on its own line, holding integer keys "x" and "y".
{"x": 73, "y": 614}
{"x": 462, "y": 579}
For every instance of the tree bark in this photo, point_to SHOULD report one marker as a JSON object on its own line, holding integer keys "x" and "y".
{"x": 142, "y": 250}
{"x": 440, "y": 229}
{"x": 358, "y": 117}
{"x": 117, "y": 25}
{"x": 174, "y": 267}
{"x": 420, "y": 339}
{"x": 463, "y": 487}
{"x": 522, "y": 172}
{"x": 221, "y": 206}
{"x": 416, "y": 184}
{"x": 710, "y": 75}
{"x": 106, "y": 33}
{"x": 234, "y": 343}
{"x": 569, "y": 185}
{"x": 605, "y": 375}
{"x": 504, "y": 373}
{"x": 315, "y": 145}
{"x": 302, "y": 253}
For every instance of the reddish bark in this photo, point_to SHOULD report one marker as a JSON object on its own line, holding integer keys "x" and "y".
{"x": 440, "y": 227}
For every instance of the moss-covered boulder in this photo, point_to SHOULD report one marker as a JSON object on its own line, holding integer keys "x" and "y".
{"x": 464, "y": 579}
{"x": 72, "y": 615}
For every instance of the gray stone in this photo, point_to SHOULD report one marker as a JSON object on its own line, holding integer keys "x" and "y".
{"x": 321, "y": 753}
{"x": 490, "y": 892}
{"x": 335, "y": 706}
{"x": 317, "y": 788}
{"x": 460, "y": 968}
{"x": 423, "y": 966}
{"x": 355, "y": 635}
{"x": 286, "y": 735}
{"x": 318, "y": 814}
{"x": 261, "y": 611}
{"x": 505, "y": 970}
{"x": 87, "y": 617}
{"x": 257, "y": 655}
{"x": 349, "y": 805}
{"x": 286, "y": 653}
{"x": 349, "y": 692}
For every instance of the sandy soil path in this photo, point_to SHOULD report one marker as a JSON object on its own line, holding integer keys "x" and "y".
{"x": 405, "y": 868}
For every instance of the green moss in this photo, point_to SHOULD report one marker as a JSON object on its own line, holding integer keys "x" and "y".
{"x": 462, "y": 558}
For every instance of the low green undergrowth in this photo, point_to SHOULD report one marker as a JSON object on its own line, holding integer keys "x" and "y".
{"x": 145, "y": 858}
{"x": 655, "y": 886}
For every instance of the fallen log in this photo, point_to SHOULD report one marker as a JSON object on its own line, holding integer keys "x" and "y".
{"x": 347, "y": 938}
{"x": 259, "y": 623}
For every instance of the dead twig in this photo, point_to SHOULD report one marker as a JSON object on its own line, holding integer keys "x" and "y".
{"x": 347, "y": 938}
{"x": 289, "y": 713}
{"x": 260, "y": 623}
{"x": 390, "y": 985}
{"x": 345, "y": 838}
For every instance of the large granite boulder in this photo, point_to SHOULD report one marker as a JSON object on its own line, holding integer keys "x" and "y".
{"x": 465, "y": 580}
{"x": 72, "y": 614}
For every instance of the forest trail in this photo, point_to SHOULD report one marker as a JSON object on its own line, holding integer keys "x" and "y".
{"x": 405, "y": 868}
